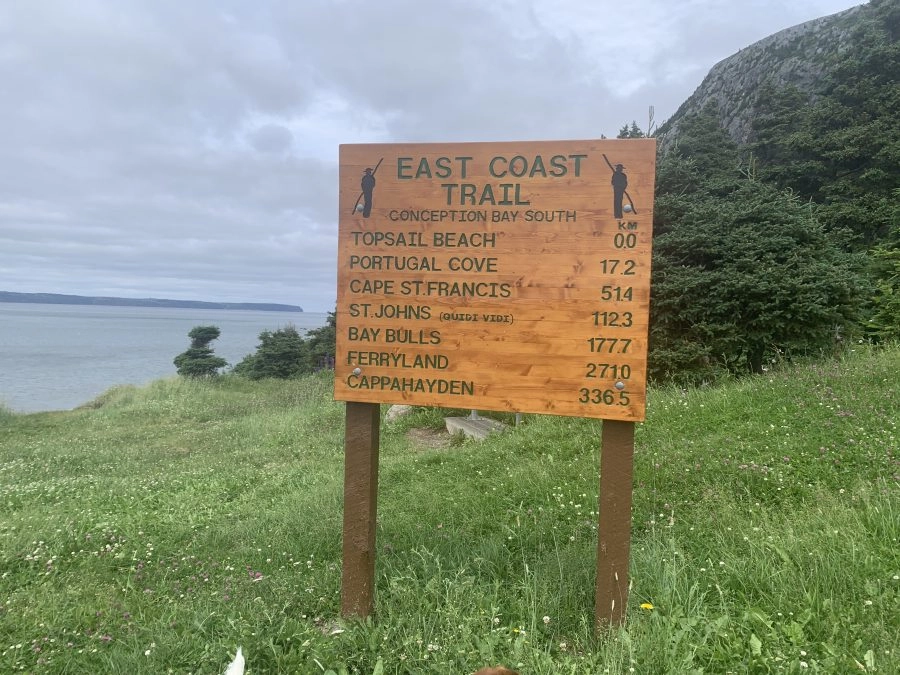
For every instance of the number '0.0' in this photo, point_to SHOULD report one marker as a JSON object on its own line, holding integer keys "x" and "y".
{"x": 625, "y": 240}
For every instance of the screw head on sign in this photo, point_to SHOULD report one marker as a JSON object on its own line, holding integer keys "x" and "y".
{"x": 620, "y": 385}
{"x": 627, "y": 208}
{"x": 357, "y": 371}
{"x": 359, "y": 207}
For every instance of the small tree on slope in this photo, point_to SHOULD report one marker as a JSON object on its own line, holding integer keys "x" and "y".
{"x": 199, "y": 360}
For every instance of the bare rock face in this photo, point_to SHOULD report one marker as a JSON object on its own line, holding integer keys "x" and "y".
{"x": 795, "y": 56}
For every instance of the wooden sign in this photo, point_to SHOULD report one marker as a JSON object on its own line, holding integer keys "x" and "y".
{"x": 496, "y": 276}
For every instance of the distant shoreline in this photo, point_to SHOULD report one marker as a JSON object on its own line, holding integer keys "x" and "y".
{"x": 61, "y": 299}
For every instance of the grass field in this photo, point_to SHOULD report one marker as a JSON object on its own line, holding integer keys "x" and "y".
{"x": 156, "y": 529}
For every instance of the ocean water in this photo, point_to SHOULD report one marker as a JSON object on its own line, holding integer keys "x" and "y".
{"x": 57, "y": 357}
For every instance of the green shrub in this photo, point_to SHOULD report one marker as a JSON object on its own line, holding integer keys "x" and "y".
{"x": 199, "y": 360}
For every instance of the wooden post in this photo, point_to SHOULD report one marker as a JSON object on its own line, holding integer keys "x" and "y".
{"x": 614, "y": 528}
{"x": 361, "y": 443}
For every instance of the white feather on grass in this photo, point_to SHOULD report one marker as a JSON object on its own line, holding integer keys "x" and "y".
{"x": 236, "y": 667}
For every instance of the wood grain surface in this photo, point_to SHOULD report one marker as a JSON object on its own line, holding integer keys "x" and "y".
{"x": 496, "y": 276}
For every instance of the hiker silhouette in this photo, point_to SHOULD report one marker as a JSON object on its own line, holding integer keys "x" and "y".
{"x": 619, "y": 184}
{"x": 368, "y": 187}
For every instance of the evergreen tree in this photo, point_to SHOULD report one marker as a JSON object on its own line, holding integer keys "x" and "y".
{"x": 744, "y": 279}
{"x": 280, "y": 354}
{"x": 885, "y": 320}
{"x": 715, "y": 158}
{"x": 285, "y": 353}
{"x": 199, "y": 359}
{"x": 633, "y": 131}
{"x": 743, "y": 270}
{"x": 842, "y": 150}
{"x": 321, "y": 344}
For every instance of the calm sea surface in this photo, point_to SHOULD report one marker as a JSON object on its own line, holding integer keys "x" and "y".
{"x": 55, "y": 357}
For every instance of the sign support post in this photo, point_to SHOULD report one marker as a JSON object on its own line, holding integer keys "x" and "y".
{"x": 614, "y": 523}
{"x": 361, "y": 444}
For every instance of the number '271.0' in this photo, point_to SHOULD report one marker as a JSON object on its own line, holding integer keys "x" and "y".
{"x": 604, "y": 370}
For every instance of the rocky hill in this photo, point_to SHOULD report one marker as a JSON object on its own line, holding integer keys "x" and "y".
{"x": 800, "y": 56}
{"x": 806, "y": 117}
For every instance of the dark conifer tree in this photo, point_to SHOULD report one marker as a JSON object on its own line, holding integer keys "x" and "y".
{"x": 199, "y": 359}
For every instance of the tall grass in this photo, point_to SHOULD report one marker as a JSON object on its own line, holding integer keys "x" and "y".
{"x": 5, "y": 411}
{"x": 156, "y": 529}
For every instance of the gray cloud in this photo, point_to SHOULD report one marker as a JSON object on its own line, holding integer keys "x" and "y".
{"x": 189, "y": 150}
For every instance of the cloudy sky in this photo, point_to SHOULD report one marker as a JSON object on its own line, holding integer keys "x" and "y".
{"x": 188, "y": 148}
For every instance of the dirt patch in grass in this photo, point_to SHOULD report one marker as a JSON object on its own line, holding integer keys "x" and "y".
{"x": 429, "y": 439}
